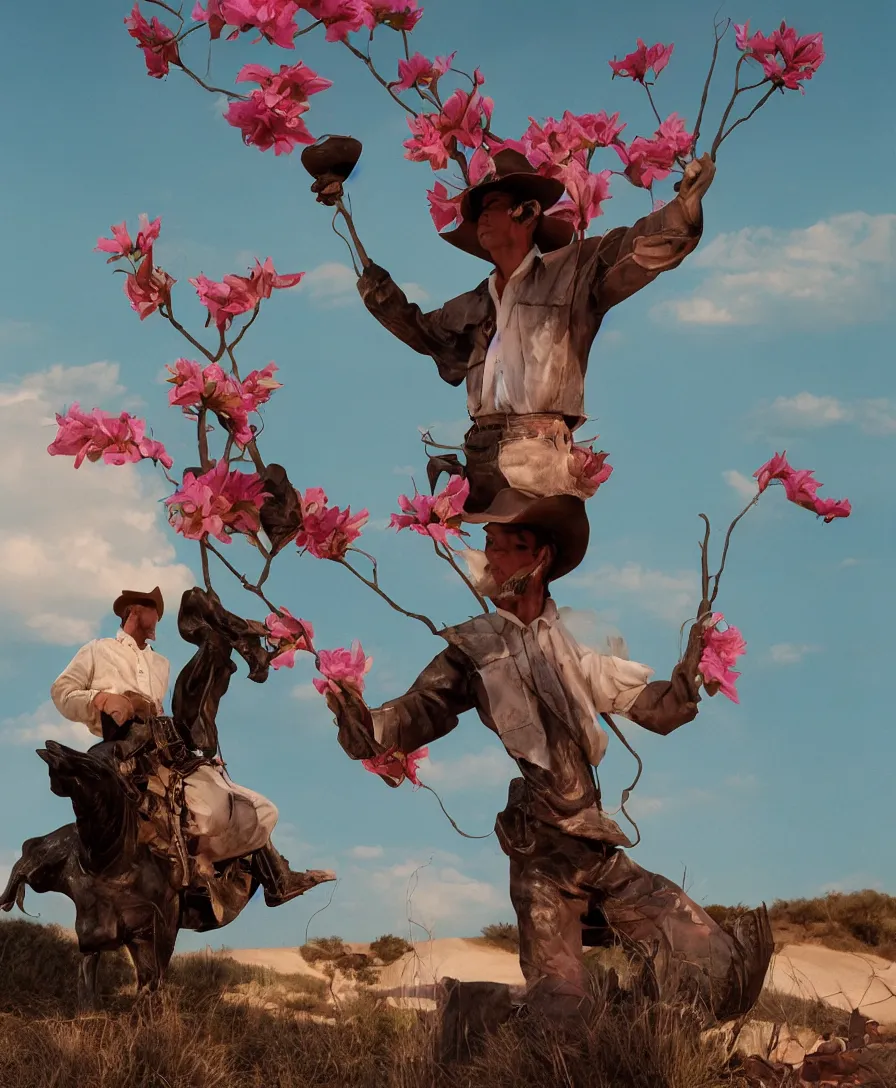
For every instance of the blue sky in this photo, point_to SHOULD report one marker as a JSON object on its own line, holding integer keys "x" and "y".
{"x": 776, "y": 333}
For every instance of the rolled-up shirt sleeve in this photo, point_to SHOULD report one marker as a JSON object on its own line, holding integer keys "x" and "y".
{"x": 615, "y": 683}
{"x": 72, "y": 691}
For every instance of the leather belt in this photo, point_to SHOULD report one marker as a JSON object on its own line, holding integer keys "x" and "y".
{"x": 504, "y": 420}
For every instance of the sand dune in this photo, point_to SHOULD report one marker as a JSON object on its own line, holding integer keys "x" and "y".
{"x": 844, "y": 979}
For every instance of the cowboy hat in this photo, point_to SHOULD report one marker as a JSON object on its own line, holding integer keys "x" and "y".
{"x": 561, "y": 517}
{"x": 133, "y": 596}
{"x": 513, "y": 174}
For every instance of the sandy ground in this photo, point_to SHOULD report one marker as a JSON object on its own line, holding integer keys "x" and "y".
{"x": 840, "y": 978}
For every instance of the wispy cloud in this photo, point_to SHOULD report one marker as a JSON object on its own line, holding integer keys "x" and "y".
{"x": 876, "y": 415}
{"x": 745, "y": 486}
{"x": 43, "y": 724}
{"x": 836, "y": 270}
{"x": 790, "y": 653}
{"x": 475, "y": 770}
{"x": 330, "y": 285}
{"x": 365, "y": 853}
{"x": 669, "y": 595}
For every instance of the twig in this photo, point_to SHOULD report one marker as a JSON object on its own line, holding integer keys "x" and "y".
{"x": 242, "y": 333}
{"x": 202, "y": 437}
{"x": 362, "y": 253}
{"x": 374, "y": 585}
{"x": 166, "y": 311}
{"x": 203, "y": 554}
{"x": 704, "y": 569}
{"x": 448, "y": 556}
{"x": 718, "y": 574}
{"x": 709, "y": 75}
{"x": 762, "y": 101}
{"x": 365, "y": 58}
{"x": 241, "y": 578}
{"x": 209, "y": 87}
{"x": 729, "y": 107}
{"x": 656, "y": 112}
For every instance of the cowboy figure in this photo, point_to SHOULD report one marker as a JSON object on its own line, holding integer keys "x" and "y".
{"x": 541, "y": 692}
{"x": 520, "y": 340}
{"x": 112, "y": 684}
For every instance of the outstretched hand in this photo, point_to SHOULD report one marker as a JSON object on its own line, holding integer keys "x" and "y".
{"x": 698, "y": 176}
{"x": 355, "y": 724}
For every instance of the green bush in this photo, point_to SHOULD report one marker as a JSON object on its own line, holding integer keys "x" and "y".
{"x": 389, "y": 948}
{"x": 502, "y": 935}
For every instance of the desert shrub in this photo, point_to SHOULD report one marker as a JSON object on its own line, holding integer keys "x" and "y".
{"x": 389, "y": 948}
{"x": 324, "y": 949}
{"x": 852, "y": 921}
{"x": 800, "y": 1012}
{"x": 503, "y": 935}
{"x": 209, "y": 973}
{"x": 725, "y": 915}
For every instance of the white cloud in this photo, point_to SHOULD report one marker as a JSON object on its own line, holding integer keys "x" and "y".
{"x": 876, "y": 415}
{"x": 669, "y": 596}
{"x": 331, "y": 284}
{"x": 438, "y": 895}
{"x": 743, "y": 485}
{"x": 474, "y": 770}
{"x": 414, "y": 292}
{"x": 43, "y": 724}
{"x": 790, "y": 653}
{"x": 306, "y": 693}
{"x": 365, "y": 853}
{"x": 836, "y": 269}
{"x": 78, "y": 536}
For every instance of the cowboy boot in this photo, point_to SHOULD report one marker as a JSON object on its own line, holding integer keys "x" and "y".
{"x": 280, "y": 883}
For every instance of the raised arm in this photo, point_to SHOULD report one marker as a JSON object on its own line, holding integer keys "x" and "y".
{"x": 665, "y": 705}
{"x": 446, "y": 334}
{"x": 429, "y": 710}
{"x": 629, "y": 258}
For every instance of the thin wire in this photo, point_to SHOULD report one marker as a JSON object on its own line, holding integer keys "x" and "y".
{"x": 423, "y": 786}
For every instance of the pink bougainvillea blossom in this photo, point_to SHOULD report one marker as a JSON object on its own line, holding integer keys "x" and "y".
{"x": 553, "y": 144}
{"x": 279, "y": 127}
{"x": 590, "y": 467}
{"x": 444, "y": 208}
{"x": 120, "y": 244}
{"x": 340, "y": 17}
{"x": 587, "y": 191}
{"x": 801, "y": 487}
{"x": 264, "y": 279}
{"x": 397, "y": 14}
{"x": 327, "y": 532}
{"x": 217, "y": 502}
{"x": 419, "y": 71}
{"x": 275, "y": 19}
{"x": 673, "y": 132}
{"x": 295, "y": 82}
{"x": 149, "y": 287}
{"x": 647, "y": 161}
{"x": 342, "y": 669}
{"x": 397, "y": 765}
{"x": 158, "y": 42}
{"x": 636, "y": 65}
{"x": 95, "y": 435}
{"x": 434, "y": 515}
{"x": 721, "y": 649}
{"x": 288, "y": 635}
{"x": 230, "y": 399}
{"x": 236, "y": 295}
{"x": 463, "y": 120}
{"x": 426, "y": 143}
{"x": 258, "y": 386}
{"x": 786, "y": 58}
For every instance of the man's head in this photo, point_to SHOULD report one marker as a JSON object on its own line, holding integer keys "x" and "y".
{"x": 139, "y": 621}
{"x": 519, "y": 561}
{"x": 507, "y": 222}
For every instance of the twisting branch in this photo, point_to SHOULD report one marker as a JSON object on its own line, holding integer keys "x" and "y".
{"x": 704, "y": 571}
{"x": 448, "y": 557}
{"x": 366, "y": 60}
{"x": 241, "y": 334}
{"x": 709, "y": 75}
{"x": 762, "y": 101}
{"x": 168, "y": 313}
{"x": 718, "y": 574}
{"x": 203, "y": 555}
{"x": 241, "y": 578}
{"x": 202, "y": 438}
{"x": 375, "y": 586}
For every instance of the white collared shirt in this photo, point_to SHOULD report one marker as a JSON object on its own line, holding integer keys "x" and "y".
{"x": 503, "y": 376}
{"x": 114, "y": 665}
{"x": 597, "y": 683}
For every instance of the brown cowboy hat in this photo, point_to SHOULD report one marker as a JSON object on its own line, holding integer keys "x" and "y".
{"x": 515, "y": 174}
{"x": 562, "y": 517}
{"x": 133, "y": 596}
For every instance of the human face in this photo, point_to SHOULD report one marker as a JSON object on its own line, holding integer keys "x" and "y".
{"x": 141, "y": 622}
{"x": 494, "y": 228}
{"x": 510, "y": 552}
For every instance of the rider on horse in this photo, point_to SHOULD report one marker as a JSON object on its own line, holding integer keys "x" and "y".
{"x": 117, "y": 686}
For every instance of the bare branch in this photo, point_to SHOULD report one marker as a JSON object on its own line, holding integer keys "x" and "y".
{"x": 709, "y": 75}
{"x": 374, "y": 585}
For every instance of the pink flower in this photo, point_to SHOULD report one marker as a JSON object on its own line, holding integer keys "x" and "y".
{"x": 673, "y": 132}
{"x": 217, "y": 502}
{"x": 600, "y": 129}
{"x": 276, "y": 19}
{"x": 444, "y": 209}
{"x": 396, "y": 765}
{"x": 296, "y": 83}
{"x": 480, "y": 166}
{"x": 800, "y": 486}
{"x": 646, "y": 161}
{"x": 288, "y": 635}
{"x": 434, "y": 516}
{"x": 786, "y": 59}
{"x": 721, "y": 649}
{"x": 340, "y": 17}
{"x": 463, "y": 120}
{"x": 118, "y": 440}
{"x": 590, "y": 467}
{"x": 636, "y": 65}
{"x": 327, "y": 531}
{"x": 557, "y": 143}
{"x": 398, "y": 14}
{"x": 238, "y": 294}
{"x": 426, "y": 143}
{"x": 264, "y": 280}
{"x": 342, "y": 669}
{"x": 120, "y": 244}
{"x": 258, "y": 386}
{"x": 588, "y": 192}
{"x": 158, "y": 42}
{"x": 266, "y": 127}
{"x": 421, "y": 72}
{"x": 149, "y": 287}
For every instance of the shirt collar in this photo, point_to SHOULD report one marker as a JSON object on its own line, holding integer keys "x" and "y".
{"x": 548, "y": 617}
{"x": 124, "y": 637}
{"x": 521, "y": 270}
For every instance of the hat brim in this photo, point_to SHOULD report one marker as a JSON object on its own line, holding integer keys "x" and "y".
{"x": 130, "y": 596}
{"x": 523, "y": 185}
{"x": 550, "y": 234}
{"x": 562, "y": 516}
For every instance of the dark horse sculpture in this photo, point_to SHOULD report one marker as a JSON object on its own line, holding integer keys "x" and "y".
{"x": 126, "y": 893}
